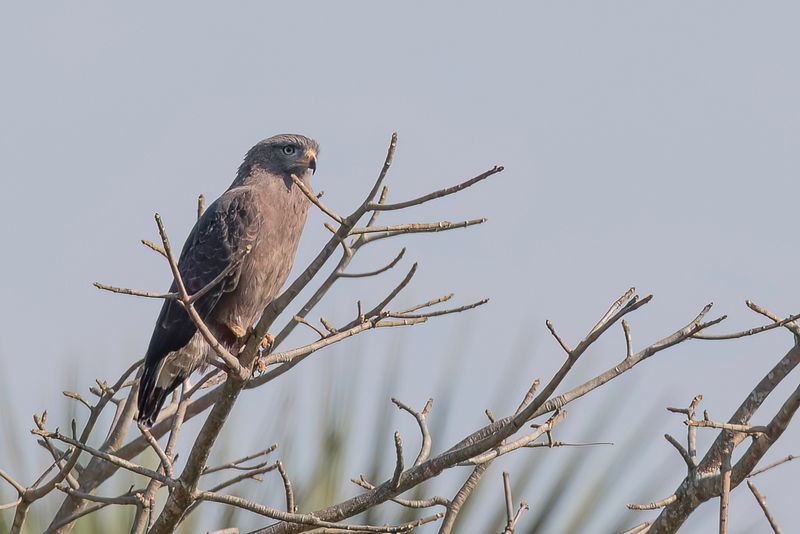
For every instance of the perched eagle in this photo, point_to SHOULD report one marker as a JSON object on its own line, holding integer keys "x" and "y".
{"x": 262, "y": 209}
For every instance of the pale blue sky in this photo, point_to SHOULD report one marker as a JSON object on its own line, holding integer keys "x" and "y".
{"x": 647, "y": 144}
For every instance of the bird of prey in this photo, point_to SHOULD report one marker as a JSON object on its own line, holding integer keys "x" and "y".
{"x": 262, "y": 209}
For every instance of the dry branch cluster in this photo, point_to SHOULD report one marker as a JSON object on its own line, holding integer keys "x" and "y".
{"x": 531, "y": 425}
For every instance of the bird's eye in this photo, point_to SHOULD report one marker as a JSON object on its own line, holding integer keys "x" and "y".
{"x": 289, "y": 150}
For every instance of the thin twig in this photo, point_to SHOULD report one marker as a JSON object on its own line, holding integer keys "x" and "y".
{"x": 398, "y": 468}
{"x": 509, "y": 499}
{"x": 461, "y": 497}
{"x": 628, "y": 338}
{"x": 614, "y": 308}
{"x": 135, "y": 292}
{"x": 439, "y": 313}
{"x": 408, "y": 503}
{"x": 166, "y": 463}
{"x": 201, "y": 205}
{"x": 252, "y": 473}
{"x": 724, "y": 500}
{"x": 128, "y": 498}
{"x": 417, "y": 227}
{"x": 505, "y": 448}
{"x": 387, "y": 163}
{"x": 788, "y": 458}
{"x": 16, "y": 485}
{"x": 762, "y": 502}
{"x": 750, "y": 332}
{"x": 528, "y": 396}
{"x": 436, "y": 194}
{"x": 236, "y": 464}
{"x": 116, "y": 460}
{"x": 11, "y": 504}
{"x": 302, "y": 321}
{"x": 641, "y": 528}
{"x": 746, "y": 429}
{"x": 328, "y": 326}
{"x": 653, "y": 505}
{"x": 77, "y": 396}
{"x": 299, "y": 519}
{"x": 376, "y": 272}
{"x": 421, "y": 418}
{"x": 561, "y": 342}
{"x": 287, "y": 488}
{"x": 428, "y": 304}
{"x": 152, "y": 246}
{"x": 315, "y": 200}
{"x": 683, "y": 452}
{"x": 553, "y": 444}
{"x": 792, "y": 327}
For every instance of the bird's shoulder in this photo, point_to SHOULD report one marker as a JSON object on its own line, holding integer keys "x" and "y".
{"x": 231, "y": 221}
{"x": 228, "y": 226}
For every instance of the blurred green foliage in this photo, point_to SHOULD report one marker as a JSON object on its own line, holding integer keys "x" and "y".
{"x": 567, "y": 488}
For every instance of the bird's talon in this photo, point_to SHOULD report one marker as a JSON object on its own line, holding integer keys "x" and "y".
{"x": 266, "y": 343}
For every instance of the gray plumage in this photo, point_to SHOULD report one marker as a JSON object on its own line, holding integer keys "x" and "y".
{"x": 262, "y": 209}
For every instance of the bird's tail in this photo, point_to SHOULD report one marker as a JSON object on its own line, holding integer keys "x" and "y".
{"x": 154, "y": 387}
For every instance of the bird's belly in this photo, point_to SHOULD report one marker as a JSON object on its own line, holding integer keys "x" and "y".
{"x": 263, "y": 274}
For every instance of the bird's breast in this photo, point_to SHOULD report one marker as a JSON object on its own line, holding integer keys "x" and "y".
{"x": 282, "y": 215}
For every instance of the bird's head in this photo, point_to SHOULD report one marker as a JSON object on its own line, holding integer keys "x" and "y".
{"x": 283, "y": 155}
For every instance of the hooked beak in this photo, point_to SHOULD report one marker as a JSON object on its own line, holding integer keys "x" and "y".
{"x": 311, "y": 161}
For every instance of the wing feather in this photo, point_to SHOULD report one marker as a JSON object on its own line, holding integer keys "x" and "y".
{"x": 227, "y": 227}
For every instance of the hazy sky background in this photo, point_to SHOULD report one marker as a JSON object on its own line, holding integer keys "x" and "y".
{"x": 647, "y": 144}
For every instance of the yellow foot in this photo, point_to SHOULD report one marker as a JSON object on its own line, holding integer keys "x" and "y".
{"x": 264, "y": 348}
{"x": 266, "y": 343}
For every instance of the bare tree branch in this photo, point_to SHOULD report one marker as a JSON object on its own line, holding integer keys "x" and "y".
{"x": 287, "y": 488}
{"x": 461, "y": 497}
{"x": 788, "y": 458}
{"x": 491, "y": 436}
{"x": 299, "y": 519}
{"x": 408, "y": 503}
{"x": 745, "y": 429}
{"x": 641, "y": 528}
{"x": 683, "y": 452}
{"x": 315, "y": 200}
{"x": 711, "y": 477}
{"x": 399, "y": 467}
{"x": 714, "y": 476}
{"x": 725, "y": 497}
{"x": 762, "y": 502}
{"x": 166, "y": 462}
{"x": 653, "y": 505}
{"x": 154, "y": 247}
{"x": 376, "y": 272}
{"x": 749, "y": 332}
{"x": 116, "y": 460}
{"x": 416, "y": 227}
{"x": 201, "y": 205}
{"x": 421, "y": 417}
{"x": 437, "y": 194}
{"x": 512, "y": 517}
{"x": 237, "y": 464}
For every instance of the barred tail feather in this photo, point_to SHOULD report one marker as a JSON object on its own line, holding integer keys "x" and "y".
{"x": 154, "y": 387}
